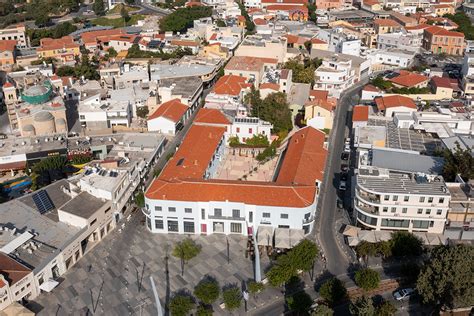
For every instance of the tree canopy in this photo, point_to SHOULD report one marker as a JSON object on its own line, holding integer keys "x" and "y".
{"x": 183, "y": 18}
{"x": 464, "y": 24}
{"x": 367, "y": 279}
{"x": 406, "y": 244}
{"x": 362, "y": 306}
{"x": 232, "y": 298}
{"x": 186, "y": 249}
{"x": 333, "y": 291}
{"x": 303, "y": 72}
{"x": 299, "y": 302}
{"x": 136, "y": 52}
{"x": 447, "y": 277}
{"x": 274, "y": 109}
{"x": 86, "y": 68}
{"x": 207, "y": 291}
{"x": 181, "y": 304}
{"x": 99, "y": 7}
{"x": 322, "y": 310}
{"x": 460, "y": 162}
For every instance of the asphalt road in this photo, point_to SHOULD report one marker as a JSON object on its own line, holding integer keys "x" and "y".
{"x": 337, "y": 261}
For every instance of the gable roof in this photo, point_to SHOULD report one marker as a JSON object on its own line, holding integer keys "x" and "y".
{"x": 12, "y": 270}
{"x": 408, "y": 79}
{"x": 172, "y": 110}
{"x": 324, "y": 104}
{"x": 439, "y": 31}
{"x": 392, "y": 101}
{"x": 271, "y": 86}
{"x": 387, "y": 22}
{"x": 7, "y": 45}
{"x": 304, "y": 159}
{"x": 210, "y": 116}
{"x": 231, "y": 85}
{"x": 360, "y": 113}
{"x": 248, "y": 63}
{"x": 318, "y": 94}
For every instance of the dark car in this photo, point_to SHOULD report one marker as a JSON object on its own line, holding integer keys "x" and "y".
{"x": 344, "y": 167}
{"x": 345, "y": 156}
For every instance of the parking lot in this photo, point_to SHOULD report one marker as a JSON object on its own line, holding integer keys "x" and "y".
{"x": 407, "y": 139}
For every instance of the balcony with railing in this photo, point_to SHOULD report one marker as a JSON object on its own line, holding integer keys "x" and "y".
{"x": 367, "y": 208}
{"x": 369, "y": 197}
{"x": 229, "y": 218}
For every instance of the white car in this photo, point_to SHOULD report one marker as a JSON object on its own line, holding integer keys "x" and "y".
{"x": 403, "y": 293}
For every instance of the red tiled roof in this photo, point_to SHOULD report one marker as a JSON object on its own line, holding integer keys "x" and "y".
{"x": 7, "y": 45}
{"x": 211, "y": 116}
{"x": 439, "y": 31}
{"x": 392, "y": 101}
{"x": 417, "y": 27}
{"x": 369, "y": 87}
{"x": 443, "y": 82}
{"x": 286, "y": 1}
{"x": 305, "y": 158}
{"x": 7, "y": 85}
{"x": 184, "y": 42}
{"x": 58, "y": 43}
{"x": 194, "y": 154}
{"x": 324, "y": 104}
{"x": 409, "y": 79}
{"x": 194, "y": 4}
{"x": 213, "y": 37}
{"x": 241, "y": 18}
{"x": 19, "y": 165}
{"x": 387, "y": 22}
{"x": 318, "y": 94}
{"x": 172, "y": 110}
{"x": 94, "y": 36}
{"x": 360, "y": 113}
{"x": 284, "y": 7}
{"x": 315, "y": 40}
{"x": 231, "y": 85}
{"x": 12, "y": 270}
{"x": 260, "y": 21}
{"x": 269, "y": 85}
{"x": 249, "y": 63}
{"x": 123, "y": 38}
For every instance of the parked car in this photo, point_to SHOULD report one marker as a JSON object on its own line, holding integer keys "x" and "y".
{"x": 403, "y": 293}
{"x": 342, "y": 186}
{"x": 344, "y": 167}
{"x": 345, "y": 156}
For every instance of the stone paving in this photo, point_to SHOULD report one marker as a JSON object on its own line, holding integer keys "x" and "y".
{"x": 106, "y": 281}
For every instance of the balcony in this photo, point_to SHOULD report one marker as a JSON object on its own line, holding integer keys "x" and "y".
{"x": 229, "y": 218}
{"x": 145, "y": 211}
{"x": 368, "y": 208}
{"x": 309, "y": 220}
{"x": 369, "y": 197}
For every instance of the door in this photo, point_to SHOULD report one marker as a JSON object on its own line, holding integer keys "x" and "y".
{"x": 203, "y": 229}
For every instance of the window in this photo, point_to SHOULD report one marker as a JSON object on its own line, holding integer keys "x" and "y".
{"x": 422, "y": 199}
{"x": 173, "y": 226}
{"x": 171, "y": 209}
{"x": 439, "y": 212}
{"x": 430, "y": 199}
{"x": 250, "y": 131}
{"x": 158, "y": 208}
{"x": 395, "y": 222}
{"x": 94, "y": 221}
{"x": 148, "y": 223}
{"x": 236, "y": 228}
{"x": 237, "y": 129}
{"x": 395, "y": 198}
{"x": 419, "y": 211}
{"x": 385, "y": 209}
{"x": 203, "y": 213}
{"x": 428, "y": 211}
{"x": 235, "y": 213}
{"x": 159, "y": 224}
{"x": 393, "y": 210}
{"x": 406, "y": 198}
{"x": 386, "y": 197}
{"x": 188, "y": 227}
{"x": 188, "y": 210}
{"x": 283, "y": 215}
{"x": 218, "y": 227}
{"x": 441, "y": 200}
{"x": 266, "y": 215}
{"x": 250, "y": 217}
{"x": 367, "y": 219}
{"x": 218, "y": 212}
{"x": 421, "y": 224}
{"x": 82, "y": 117}
{"x": 404, "y": 210}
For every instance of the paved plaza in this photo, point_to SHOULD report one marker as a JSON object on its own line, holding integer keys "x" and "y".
{"x": 106, "y": 281}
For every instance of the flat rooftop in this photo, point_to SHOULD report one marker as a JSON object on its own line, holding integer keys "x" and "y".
{"x": 83, "y": 205}
{"x": 404, "y": 161}
{"x": 164, "y": 71}
{"x": 185, "y": 87}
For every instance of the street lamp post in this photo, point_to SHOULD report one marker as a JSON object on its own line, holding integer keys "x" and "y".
{"x": 258, "y": 275}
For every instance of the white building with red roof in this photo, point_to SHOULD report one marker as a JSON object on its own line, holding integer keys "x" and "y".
{"x": 169, "y": 117}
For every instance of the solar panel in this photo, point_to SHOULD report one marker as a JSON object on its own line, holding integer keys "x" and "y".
{"x": 43, "y": 201}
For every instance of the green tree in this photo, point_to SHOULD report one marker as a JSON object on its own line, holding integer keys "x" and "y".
{"x": 124, "y": 14}
{"x": 381, "y": 83}
{"x": 220, "y": 23}
{"x": 299, "y": 302}
{"x": 363, "y": 306}
{"x": 255, "y": 288}
{"x": 312, "y": 12}
{"x": 207, "y": 291}
{"x": 410, "y": 271}
{"x": 142, "y": 111}
{"x": 282, "y": 271}
{"x": 322, "y": 310}
{"x": 386, "y": 309}
{"x": 181, "y": 304}
{"x": 232, "y": 298}
{"x": 367, "y": 279}
{"x": 203, "y": 310}
{"x": 333, "y": 291}
{"x": 458, "y": 162}
{"x": 182, "y": 19}
{"x": 304, "y": 254}
{"x": 406, "y": 244}
{"x": 42, "y": 19}
{"x": 186, "y": 250}
{"x": 274, "y": 109}
{"x": 140, "y": 199}
{"x": 365, "y": 249}
{"x": 301, "y": 73}
{"x": 98, "y": 7}
{"x": 112, "y": 52}
{"x": 447, "y": 278}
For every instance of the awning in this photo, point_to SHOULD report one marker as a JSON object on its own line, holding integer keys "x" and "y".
{"x": 282, "y": 238}
{"x": 367, "y": 235}
{"x": 296, "y": 235}
{"x": 353, "y": 241}
{"x": 264, "y": 235}
{"x": 19, "y": 165}
{"x": 351, "y": 231}
{"x": 49, "y": 285}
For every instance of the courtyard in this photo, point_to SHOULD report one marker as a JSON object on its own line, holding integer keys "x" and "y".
{"x": 114, "y": 277}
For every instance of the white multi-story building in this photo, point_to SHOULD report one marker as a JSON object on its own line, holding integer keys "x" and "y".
{"x": 390, "y": 58}
{"x": 15, "y": 33}
{"x": 96, "y": 114}
{"x": 468, "y": 74}
{"x": 334, "y": 75}
{"x": 247, "y": 127}
{"x": 340, "y": 42}
{"x": 409, "y": 42}
{"x": 386, "y": 200}
{"x": 196, "y": 204}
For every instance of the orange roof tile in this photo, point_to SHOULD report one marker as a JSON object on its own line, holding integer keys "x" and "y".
{"x": 241, "y": 18}
{"x": 439, "y": 31}
{"x": 248, "y": 63}
{"x": 94, "y": 36}
{"x": 317, "y": 41}
{"x": 12, "y": 270}
{"x": 211, "y": 116}
{"x": 417, "y": 27}
{"x": 318, "y": 94}
{"x": 260, "y": 21}
{"x": 369, "y": 87}
{"x": 387, "y": 22}
{"x": 286, "y": 1}
{"x": 57, "y": 43}
{"x": 329, "y": 106}
{"x": 196, "y": 151}
{"x": 213, "y": 37}
{"x": 408, "y": 79}
{"x": 360, "y": 113}
{"x": 179, "y": 42}
{"x": 231, "y": 85}
{"x": 305, "y": 158}
{"x": 269, "y": 85}
{"x": 7, "y": 45}
{"x": 285, "y": 7}
{"x": 384, "y": 103}
{"x": 7, "y": 85}
{"x": 123, "y": 38}
{"x": 172, "y": 110}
